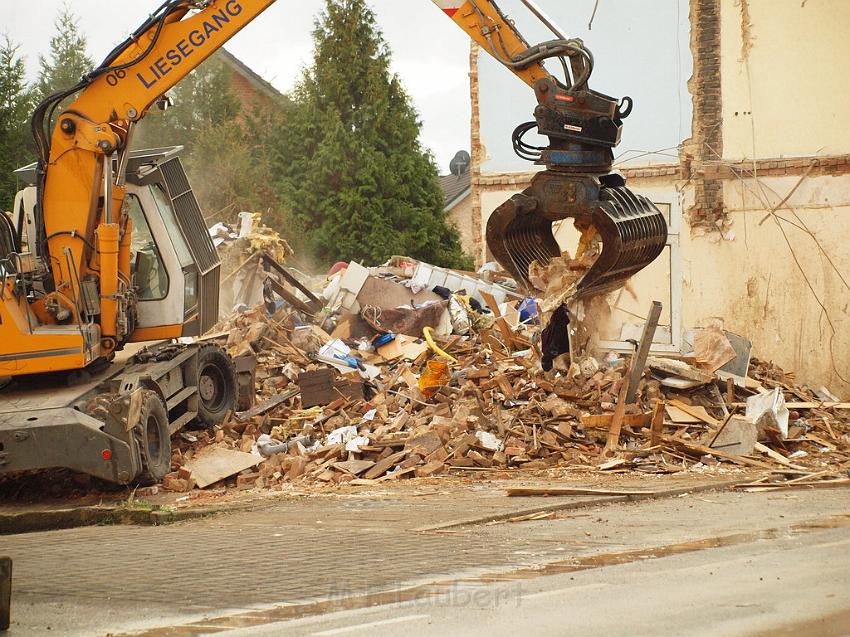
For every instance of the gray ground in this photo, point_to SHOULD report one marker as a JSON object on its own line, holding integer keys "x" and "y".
{"x": 719, "y": 563}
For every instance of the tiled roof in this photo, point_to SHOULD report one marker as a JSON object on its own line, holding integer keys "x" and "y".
{"x": 245, "y": 71}
{"x": 455, "y": 187}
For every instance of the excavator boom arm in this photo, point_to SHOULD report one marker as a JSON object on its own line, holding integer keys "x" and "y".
{"x": 177, "y": 40}
{"x": 81, "y": 220}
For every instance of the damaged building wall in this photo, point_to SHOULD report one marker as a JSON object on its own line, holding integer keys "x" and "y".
{"x": 781, "y": 278}
{"x": 765, "y": 253}
{"x": 755, "y": 284}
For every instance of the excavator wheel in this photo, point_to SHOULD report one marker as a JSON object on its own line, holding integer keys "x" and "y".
{"x": 632, "y": 229}
{"x": 153, "y": 439}
{"x": 217, "y": 389}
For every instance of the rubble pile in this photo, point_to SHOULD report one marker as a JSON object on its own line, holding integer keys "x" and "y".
{"x": 398, "y": 377}
{"x": 240, "y": 251}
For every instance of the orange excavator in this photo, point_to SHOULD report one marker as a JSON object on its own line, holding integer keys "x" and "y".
{"x": 108, "y": 245}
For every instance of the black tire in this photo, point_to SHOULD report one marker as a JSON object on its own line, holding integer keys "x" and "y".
{"x": 153, "y": 439}
{"x": 216, "y": 385}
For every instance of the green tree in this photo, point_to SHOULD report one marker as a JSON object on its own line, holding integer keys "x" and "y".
{"x": 226, "y": 150}
{"x": 67, "y": 62}
{"x": 349, "y": 166}
{"x": 201, "y": 101}
{"x": 16, "y": 103}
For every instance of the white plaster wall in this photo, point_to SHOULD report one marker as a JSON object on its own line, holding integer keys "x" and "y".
{"x": 752, "y": 282}
{"x": 788, "y": 93}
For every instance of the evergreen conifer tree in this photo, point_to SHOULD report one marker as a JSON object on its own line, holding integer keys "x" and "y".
{"x": 351, "y": 169}
{"x": 226, "y": 160}
{"x": 202, "y": 101}
{"x": 67, "y": 61}
{"x": 16, "y": 103}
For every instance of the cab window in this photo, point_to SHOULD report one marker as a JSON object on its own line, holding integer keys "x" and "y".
{"x": 149, "y": 274}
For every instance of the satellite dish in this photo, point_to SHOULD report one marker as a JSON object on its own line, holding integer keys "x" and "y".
{"x": 460, "y": 164}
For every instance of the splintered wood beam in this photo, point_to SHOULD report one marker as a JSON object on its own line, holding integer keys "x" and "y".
{"x": 702, "y": 450}
{"x": 550, "y": 491}
{"x": 511, "y": 340}
{"x": 639, "y": 360}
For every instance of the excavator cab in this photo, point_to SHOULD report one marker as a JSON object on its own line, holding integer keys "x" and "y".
{"x": 174, "y": 265}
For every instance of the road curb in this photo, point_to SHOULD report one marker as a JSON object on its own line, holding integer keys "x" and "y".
{"x": 580, "y": 504}
{"x": 56, "y": 519}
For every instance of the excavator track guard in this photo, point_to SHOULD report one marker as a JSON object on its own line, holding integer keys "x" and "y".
{"x": 632, "y": 229}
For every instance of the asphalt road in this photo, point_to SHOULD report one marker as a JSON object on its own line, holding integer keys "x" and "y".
{"x": 787, "y": 586}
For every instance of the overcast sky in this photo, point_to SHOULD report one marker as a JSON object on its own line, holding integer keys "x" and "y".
{"x": 429, "y": 53}
{"x": 641, "y": 48}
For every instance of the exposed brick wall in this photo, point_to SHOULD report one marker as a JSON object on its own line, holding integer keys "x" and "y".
{"x": 706, "y": 145}
{"x": 477, "y": 156}
{"x": 709, "y": 171}
{"x": 249, "y": 97}
{"x": 813, "y": 166}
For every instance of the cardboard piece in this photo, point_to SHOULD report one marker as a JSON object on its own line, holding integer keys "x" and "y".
{"x": 712, "y": 349}
{"x": 402, "y": 347}
{"x": 387, "y": 294}
{"x": 212, "y": 464}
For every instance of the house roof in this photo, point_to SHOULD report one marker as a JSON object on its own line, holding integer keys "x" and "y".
{"x": 455, "y": 188}
{"x": 245, "y": 71}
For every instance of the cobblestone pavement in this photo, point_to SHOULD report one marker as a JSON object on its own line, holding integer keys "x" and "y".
{"x": 96, "y": 580}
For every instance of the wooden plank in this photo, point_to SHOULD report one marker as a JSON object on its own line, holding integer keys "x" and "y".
{"x": 549, "y": 491}
{"x": 639, "y": 360}
{"x": 708, "y": 451}
{"x": 820, "y": 441}
{"x": 818, "y": 484}
{"x": 679, "y": 417}
{"x": 775, "y": 455}
{"x": 505, "y": 387}
{"x": 212, "y": 464}
{"x": 807, "y": 405}
{"x": 617, "y": 420}
{"x": 603, "y": 421}
{"x": 267, "y": 405}
{"x": 657, "y": 423}
{"x": 501, "y": 323}
{"x": 384, "y": 465}
{"x": 354, "y": 467}
{"x": 315, "y": 303}
{"x": 698, "y": 413}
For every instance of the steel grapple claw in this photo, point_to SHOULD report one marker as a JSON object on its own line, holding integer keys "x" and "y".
{"x": 632, "y": 229}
